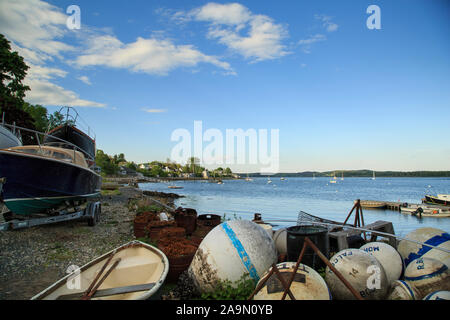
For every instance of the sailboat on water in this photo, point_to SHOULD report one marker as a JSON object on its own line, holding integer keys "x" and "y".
{"x": 373, "y": 177}
{"x": 334, "y": 178}
{"x": 342, "y": 178}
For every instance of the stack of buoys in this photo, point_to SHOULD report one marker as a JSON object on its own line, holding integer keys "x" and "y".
{"x": 362, "y": 270}
{"x": 427, "y": 269}
{"x": 306, "y": 285}
{"x": 230, "y": 251}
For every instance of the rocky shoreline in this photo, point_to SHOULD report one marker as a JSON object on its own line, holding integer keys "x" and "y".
{"x": 33, "y": 259}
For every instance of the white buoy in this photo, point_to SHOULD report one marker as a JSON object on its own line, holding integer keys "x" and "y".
{"x": 267, "y": 228}
{"x": 307, "y": 284}
{"x": 438, "y": 295}
{"x": 280, "y": 239}
{"x": 427, "y": 275}
{"x": 231, "y": 250}
{"x": 402, "y": 290}
{"x": 411, "y": 250}
{"x": 362, "y": 270}
{"x": 389, "y": 258}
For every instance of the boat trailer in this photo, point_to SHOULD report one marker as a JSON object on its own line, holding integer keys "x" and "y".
{"x": 90, "y": 212}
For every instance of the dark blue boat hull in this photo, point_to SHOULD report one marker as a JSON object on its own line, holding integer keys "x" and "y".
{"x": 36, "y": 184}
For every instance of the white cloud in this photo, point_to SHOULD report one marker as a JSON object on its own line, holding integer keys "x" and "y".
{"x": 85, "y": 79}
{"x": 326, "y": 22}
{"x": 47, "y": 93}
{"x": 255, "y": 37}
{"x": 306, "y": 43}
{"x": 35, "y": 26}
{"x": 154, "y": 110}
{"x": 153, "y": 56}
{"x": 36, "y": 30}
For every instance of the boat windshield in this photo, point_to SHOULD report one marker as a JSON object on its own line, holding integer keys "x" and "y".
{"x": 53, "y": 152}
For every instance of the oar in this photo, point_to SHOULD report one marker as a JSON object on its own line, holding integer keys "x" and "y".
{"x": 99, "y": 274}
{"x": 88, "y": 297}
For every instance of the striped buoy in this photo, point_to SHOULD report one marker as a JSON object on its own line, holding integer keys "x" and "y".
{"x": 427, "y": 275}
{"x": 362, "y": 270}
{"x": 389, "y": 258}
{"x": 230, "y": 251}
{"x": 411, "y": 250}
{"x": 307, "y": 284}
{"x": 438, "y": 295}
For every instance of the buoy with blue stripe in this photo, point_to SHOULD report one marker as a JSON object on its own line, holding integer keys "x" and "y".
{"x": 307, "y": 284}
{"x": 427, "y": 275}
{"x": 230, "y": 251}
{"x": 438, "y": 295}
{"x": 389, "y": 258}
{"x": 402, "y": 290}
{"x": 362, "y": 270}
{"x": 410, "y": 250}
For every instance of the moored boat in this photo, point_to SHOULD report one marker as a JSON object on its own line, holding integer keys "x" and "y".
{"x": 442, "y": 199}
{"x": 41, "y": 178}
{"x": 371, "y": 204}
{"x": 134, "y": 271}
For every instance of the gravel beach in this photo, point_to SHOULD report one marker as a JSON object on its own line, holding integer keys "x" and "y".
{"x": 32, "y": 259}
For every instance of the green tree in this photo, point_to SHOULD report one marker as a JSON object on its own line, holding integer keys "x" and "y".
{"x": 105, "y": 162}
{"x": 39, "y": 115}
{"x": 12, "y": 72}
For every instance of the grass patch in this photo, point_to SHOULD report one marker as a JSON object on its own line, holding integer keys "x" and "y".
{"x": 114, "y": 192}
{"x": 227, "y": 290}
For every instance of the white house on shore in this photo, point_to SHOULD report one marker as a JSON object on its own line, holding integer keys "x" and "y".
{"x": 205, "y": 174}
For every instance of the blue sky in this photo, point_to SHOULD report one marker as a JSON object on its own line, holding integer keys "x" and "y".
{"x": 342, "y": 96}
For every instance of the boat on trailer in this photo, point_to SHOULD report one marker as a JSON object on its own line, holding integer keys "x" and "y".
{"x": 70, "y": 131}
{"x": 40, "y": 178}
{"x": 133, "y": 271}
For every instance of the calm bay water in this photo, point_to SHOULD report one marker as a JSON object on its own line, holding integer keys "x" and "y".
{"x": 284, "y": 199}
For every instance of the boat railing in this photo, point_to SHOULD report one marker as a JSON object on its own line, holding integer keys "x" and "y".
{"x": 60, "y": 142}
{"x": 72, "y": 116}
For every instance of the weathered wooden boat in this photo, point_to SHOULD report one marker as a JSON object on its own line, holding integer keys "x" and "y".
{"x": 134, "y": 271}
{"x": 40, "y": 178}
{"x": 442, "y": 199}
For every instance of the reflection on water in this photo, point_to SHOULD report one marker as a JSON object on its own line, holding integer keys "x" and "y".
{"x": 283, "y": 199}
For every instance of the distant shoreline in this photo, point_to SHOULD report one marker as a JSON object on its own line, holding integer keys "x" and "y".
{"x": 357, "y": 174}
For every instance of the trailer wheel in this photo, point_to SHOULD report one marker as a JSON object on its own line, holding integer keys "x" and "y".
{"x": 91, "y": 211}
{"x": 98, "y": 211}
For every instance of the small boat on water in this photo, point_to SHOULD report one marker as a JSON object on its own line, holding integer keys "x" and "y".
{"x": 175, "y": 187}
{"x": 134, "y": 271}
{"x": 442, "y": 199}
{"x": 425, "y": 211}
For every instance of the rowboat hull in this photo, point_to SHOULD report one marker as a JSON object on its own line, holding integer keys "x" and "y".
{"x": 139, "y": 264}
{"x": 35, "y": 184}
